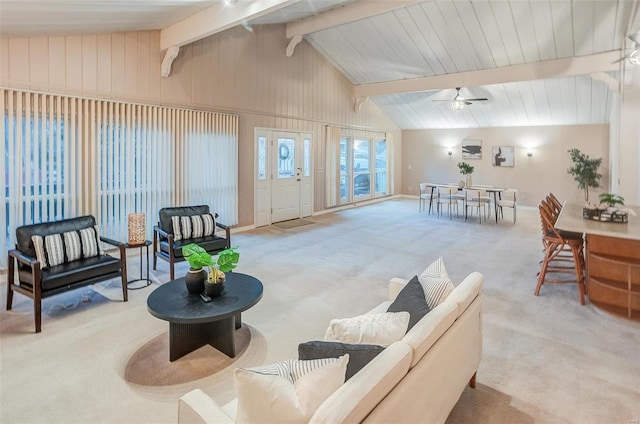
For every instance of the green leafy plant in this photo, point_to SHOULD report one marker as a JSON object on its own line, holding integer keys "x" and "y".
{"x": 585, "y": 171}
{"x": 465, "y": 168}
{"x": 611, "y": 199}
{"x": 199, "y": 258}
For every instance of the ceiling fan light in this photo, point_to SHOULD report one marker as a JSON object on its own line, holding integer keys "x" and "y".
{"x": 458, "y": 104}
{"x": 634, "y": 57}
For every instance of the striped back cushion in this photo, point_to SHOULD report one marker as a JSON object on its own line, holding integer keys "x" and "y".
{"x": 292, "y": 369}
{"x": 56, "y": 249}
{"x": 436, "y": 283}
{"x": 193, "y": 226}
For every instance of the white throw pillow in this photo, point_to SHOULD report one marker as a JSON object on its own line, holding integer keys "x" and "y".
{"x": 268, "y": 395}
{"x": 375, "y": 329}
{"x": 436, "y": 283}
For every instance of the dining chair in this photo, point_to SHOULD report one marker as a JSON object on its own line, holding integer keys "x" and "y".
{"x": 508, "y": 199}
{"x": 476, "y": 198}
{"x": 447, "y": 196}
{"x": 556, "y": 244}
{"x": 427, "y": 192}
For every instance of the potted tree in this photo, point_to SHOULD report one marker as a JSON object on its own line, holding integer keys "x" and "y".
{"x": 585, "y": 171}
{"x": 467, "y": 170}
{"x": 199, "y": 259}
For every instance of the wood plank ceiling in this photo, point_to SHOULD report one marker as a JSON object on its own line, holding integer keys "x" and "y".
{"x": 448, "y": 43}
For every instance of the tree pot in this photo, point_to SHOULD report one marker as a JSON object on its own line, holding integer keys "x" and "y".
{"x": 195, "y": 280}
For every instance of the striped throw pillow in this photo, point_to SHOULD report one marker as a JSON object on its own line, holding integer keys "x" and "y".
{"x": 436, "y": 283}
{"x": 56, "y": 249}
{"x": 193, "y": 226}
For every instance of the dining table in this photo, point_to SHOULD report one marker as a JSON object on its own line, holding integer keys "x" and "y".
{"x": 495, "y": 191}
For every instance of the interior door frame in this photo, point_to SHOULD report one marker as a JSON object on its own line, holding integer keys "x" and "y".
{"x": 263, "y": 213}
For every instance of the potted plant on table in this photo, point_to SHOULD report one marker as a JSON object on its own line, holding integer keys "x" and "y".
{"x": 467, "y": 170}
{"x": 199, "y": 259}
{"x": 611, "y": 200}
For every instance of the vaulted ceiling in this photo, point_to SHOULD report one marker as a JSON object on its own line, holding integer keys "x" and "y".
{"x": 538, "y": 62}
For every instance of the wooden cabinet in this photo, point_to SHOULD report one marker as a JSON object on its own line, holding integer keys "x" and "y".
{"x": 613, "y": 274}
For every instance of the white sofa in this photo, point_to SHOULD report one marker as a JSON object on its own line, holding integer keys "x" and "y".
{"x": 418, "y": 379}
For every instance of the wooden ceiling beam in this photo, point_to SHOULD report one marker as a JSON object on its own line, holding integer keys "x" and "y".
{"x": 601, "y": 62}
{"x": 217, "y": 19}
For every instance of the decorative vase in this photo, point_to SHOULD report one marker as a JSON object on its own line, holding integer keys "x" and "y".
{"x": 469, "y": 183}
{"x": 195, "y": 280}
{"x": 213, "y": 289}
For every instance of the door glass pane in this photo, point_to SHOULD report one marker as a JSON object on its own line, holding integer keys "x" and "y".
{"x": 307, "y": 157}
{"x": 361, "y": 155}
{"x": 262, "y": 158}
{"x": 343, "y": 169}
{"x": 286, "y": 158}
{"x": 381, "y": 167}
{"x": 361, "y": 172}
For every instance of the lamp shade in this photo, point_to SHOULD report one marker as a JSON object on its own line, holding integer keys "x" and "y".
{"x": 137, "y": 228}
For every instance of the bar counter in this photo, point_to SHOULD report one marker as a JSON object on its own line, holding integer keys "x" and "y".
{"x": 612, "y": 255}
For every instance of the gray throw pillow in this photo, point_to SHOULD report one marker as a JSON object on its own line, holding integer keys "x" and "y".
{"x": 359, "y": 354}
{"x": 411, "y": 299}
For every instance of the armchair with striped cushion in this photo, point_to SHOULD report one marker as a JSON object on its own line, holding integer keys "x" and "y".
{"x": 179, "y": 226}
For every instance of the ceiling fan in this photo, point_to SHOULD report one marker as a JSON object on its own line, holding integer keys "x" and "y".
{"x": 634, "y": 56}
{"x": 459, "y": 102}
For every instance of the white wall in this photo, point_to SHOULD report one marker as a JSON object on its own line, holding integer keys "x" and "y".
{"x": 425, "y": 158}
{"x": 236, "y": 71}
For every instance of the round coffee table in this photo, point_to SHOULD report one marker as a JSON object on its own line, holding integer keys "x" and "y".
{"x": 194, "y": 323}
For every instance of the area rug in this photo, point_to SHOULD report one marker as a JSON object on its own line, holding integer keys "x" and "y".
{"x": 150, "y": 365}
{"x": 293, "y": 223}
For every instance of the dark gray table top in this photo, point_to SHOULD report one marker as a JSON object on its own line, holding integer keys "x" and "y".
{"x": 172, "y": 302}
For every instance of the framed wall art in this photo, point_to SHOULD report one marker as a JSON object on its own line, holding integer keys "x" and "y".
{"x": 471, "y": 149}
{"x": 502, "y": 156}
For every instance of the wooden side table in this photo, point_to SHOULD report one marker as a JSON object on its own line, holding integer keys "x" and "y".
{"x": 145, "y": 280}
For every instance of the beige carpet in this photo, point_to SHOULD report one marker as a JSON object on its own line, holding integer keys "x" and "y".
{"x": 546, "y": 359}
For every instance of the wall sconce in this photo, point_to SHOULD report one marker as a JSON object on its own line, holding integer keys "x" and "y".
{"x": 529, "y": 152}
{"x": 449, "y": 152}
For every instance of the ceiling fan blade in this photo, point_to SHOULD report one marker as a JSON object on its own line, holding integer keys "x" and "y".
{"x": 635, "y": 37}
{"x": 467, "y": 102}
{"x": 483, "y": 99}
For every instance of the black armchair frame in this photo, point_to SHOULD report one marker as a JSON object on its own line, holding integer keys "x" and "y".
{"x": 35, "y": 291}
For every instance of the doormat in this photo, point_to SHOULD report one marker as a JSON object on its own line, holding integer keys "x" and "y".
{"x": 293, "y": 223}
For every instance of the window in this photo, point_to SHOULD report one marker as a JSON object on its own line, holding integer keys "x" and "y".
{"x": 69, "y": 156}
{"x": 363, "y": 161}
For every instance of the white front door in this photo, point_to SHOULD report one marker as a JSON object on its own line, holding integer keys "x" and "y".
{"x": 286, "y": 178}
{"x": 283, "y": 177}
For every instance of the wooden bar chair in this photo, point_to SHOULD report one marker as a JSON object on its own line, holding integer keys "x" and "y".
{"x": 555, "y": 245}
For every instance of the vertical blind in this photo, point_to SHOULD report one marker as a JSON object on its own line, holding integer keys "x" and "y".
{"x": 70, "y": 156}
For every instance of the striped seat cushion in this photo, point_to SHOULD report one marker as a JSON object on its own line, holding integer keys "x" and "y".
{"x": 56, "y": 249}
{"x": 193, "y": 226}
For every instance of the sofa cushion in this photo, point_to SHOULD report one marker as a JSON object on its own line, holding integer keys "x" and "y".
{"x": 73, "y": 272}
{"x": 430, "y": 328}
{"x": 359, "y": 354}
{"x": 55, "y": 249}
{"x": 378, "y": 329}
{"x": 210, "y": 244}
{"x": 466, "y": 291}
{"x": 436, "y": 283}
{"x": 193, "y": 226}
{"x": 356, "y": 398}
{"x": 411, "y": 299}
{"x": 264, "y": 397}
